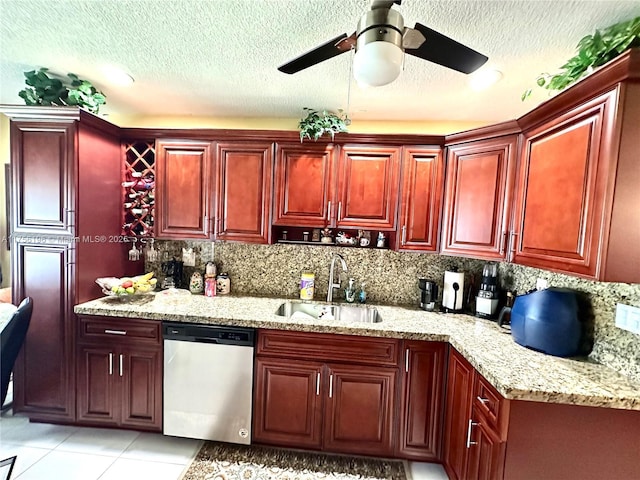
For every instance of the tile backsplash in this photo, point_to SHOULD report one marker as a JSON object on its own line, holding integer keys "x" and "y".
{"x": 391, "y": 278}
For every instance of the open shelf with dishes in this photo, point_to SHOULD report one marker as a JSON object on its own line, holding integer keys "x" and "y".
{"x": 340, "y": 237}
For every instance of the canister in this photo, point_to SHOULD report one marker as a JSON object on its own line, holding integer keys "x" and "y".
{"x": 223, "y": 284}
{"x": 307, "y": 285}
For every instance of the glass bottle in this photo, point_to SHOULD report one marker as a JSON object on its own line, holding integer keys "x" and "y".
{"x": 350, "y": 291}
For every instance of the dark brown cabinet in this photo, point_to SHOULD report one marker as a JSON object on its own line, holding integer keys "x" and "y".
{"x": 563, "y": 218}
{"x": 183, "y": 188}
{"x": 420, "y": 199}
{"x": 209, "y": 190}
{"x": 352, "y": 186}
{"x": 480, "y": 177}
{"x": 304, "y": 184}
{"x": 486, "y": 450}
{"x": 119, "y": 373}
{"x": 288, "y": 403}
{"x": 66, "y": 193}
{"x": 368, "y": 187}
{"x": 244, "y": 178}
{"x": 422, "y": 401}
{"x": 311, "y": 391}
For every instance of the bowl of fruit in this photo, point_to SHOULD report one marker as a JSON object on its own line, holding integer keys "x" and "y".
{"x": 128, "y": 287}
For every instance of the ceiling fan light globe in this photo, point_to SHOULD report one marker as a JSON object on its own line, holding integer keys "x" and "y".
{"x": 377, "y": 63}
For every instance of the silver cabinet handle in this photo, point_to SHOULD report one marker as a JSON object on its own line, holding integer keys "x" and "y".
{"x": 329, "y": 211}
{"x": 483, "y": 401}
{"x": 513, "y": 241}
{"x": 115, "y": 332}
{"x": 206, "y": 224}
{"x": 404, "y": 235}
{"x": 339, "y": 212}
{"x": 471, "y": 425}
{"x": 121, "y": 362}
{"x": 317, "y": 384}
{"x": 503, "y": 239}
{"x": 331, "y": 385}
{"x": 406, "y": 360}
{"x": 110, "y": 363}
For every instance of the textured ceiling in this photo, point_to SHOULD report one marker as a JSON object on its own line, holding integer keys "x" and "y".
{"x": 219, "y": 57}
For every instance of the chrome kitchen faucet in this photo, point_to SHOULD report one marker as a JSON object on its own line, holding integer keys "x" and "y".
{"x": 333, "y": 284}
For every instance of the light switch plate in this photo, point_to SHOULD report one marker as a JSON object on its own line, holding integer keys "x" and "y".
{"x": 628, "y": 318}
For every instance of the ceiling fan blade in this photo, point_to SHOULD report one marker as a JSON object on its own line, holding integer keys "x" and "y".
{"x": 319, "y": 54}
{"x": 445, "y": 51}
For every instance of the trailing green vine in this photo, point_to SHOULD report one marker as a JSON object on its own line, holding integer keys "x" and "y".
{"x": 592, "y": 51}
{"x": 316, "y": 124}
{"x": 45, "y": 90}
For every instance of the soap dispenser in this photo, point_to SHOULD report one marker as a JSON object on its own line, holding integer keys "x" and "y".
{"x": 350, "y": 291}
{"x": 362, "y": 295}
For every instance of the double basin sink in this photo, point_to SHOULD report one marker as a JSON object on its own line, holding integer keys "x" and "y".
{"x": 319, "y": 311}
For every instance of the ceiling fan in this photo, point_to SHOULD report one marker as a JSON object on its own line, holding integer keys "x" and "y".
{"x": 380, "y": 41}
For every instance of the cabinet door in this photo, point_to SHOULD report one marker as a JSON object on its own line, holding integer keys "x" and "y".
{"x": 559, "y": 212}
{"x": 288, "y": 403}
{"x": 42, "y": 159}
{"x": 303, "y": 185}
{"x": 421, "y": 410}
{"x": 44, "y": 379}
{"x": 245, "y": 173}
{"x": 360, "y": 410}
{"x": 422, "y": 175}
{"x": 140, "y": 372}
{"x": 457, "y": 414}
{"x": 183, "y": 189}
{"x": 368, "y": 187}
{"x": 97, "y": 381}
{"x": 480, "y": 178}
{"x": 486, "y": 452}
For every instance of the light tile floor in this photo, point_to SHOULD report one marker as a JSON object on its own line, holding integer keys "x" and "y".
{"x": 56, "y": 452}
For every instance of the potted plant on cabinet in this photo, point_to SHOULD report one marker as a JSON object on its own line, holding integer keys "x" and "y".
{"x": 316, "y": 124}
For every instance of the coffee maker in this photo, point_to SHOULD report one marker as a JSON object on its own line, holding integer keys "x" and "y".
{"x": 172, "y": 270}
{"x": 487, "y": 298}
{"x": 428, "y": 294}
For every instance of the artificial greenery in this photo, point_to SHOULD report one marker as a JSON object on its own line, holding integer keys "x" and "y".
{"x": 316, "y": 124}
{"x": 592, "y": 51}
{"x": 44, "y": 90}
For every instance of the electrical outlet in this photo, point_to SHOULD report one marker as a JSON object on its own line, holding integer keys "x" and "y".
{"x": 188, "y": 257}
{"x": 541, "y": 284}
{"x": 628, "y": 318}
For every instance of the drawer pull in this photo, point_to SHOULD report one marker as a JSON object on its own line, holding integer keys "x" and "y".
{"x": 483, "y": 401}
{"x": 115, "y": 332}
{"x": 110, "y": 363}
{"x": 331, "y": 385}
{"x": 318, "y": 384}
{"x": 471, "y": 425}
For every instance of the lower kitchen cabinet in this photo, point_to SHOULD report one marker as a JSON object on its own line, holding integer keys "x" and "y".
{"x": 421, "y": 407}
{"x": 486, "y": 449}
{"x": 119, "y": 373}
{"x": 312, "y": 392}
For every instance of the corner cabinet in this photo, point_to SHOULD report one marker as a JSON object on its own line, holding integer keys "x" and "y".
{"x": 183, "y": 189}
{"x": 420, "y": 199}
{"x": 578, "y": 180}
{"x": 66, "y": 190}
{"x": 480, "y": 177}
{"x": 325, "y": 392}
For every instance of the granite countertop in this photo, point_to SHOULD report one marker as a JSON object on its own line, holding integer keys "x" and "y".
{"x": 516, "y": 372}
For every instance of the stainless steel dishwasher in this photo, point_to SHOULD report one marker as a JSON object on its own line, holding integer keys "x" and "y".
{"x": 208, "y": 382}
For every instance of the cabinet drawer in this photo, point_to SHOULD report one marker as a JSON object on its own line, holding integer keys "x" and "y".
{"x": 328, "y": 347}
{"x": 119, "y": 330}
{"x": 488, "y": 402}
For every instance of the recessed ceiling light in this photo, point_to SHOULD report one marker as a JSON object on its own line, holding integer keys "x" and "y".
{"x": 484, "y": 78}
{"x": 116, "y": 76}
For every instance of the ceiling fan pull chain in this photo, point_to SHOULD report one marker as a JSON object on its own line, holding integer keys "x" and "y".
{"x": 349, "y": 80}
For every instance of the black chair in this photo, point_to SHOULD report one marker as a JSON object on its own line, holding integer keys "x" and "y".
{"x": 11, "y": 338}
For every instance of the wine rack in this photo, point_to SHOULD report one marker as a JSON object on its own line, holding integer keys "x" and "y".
{"x": 138, "y": 185}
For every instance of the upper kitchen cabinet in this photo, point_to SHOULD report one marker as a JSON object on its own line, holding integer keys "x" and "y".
{"x": 304, "y": 182}
{"x": 183, "y": 189}
{"x": 244, "y": 179}
{"x": 367, "y": 187}
{"x": 420, "y": 198}
{"x": 43, "y": 154}
{"x": 576, "y": 206}
{"x": 480, "y": 175}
